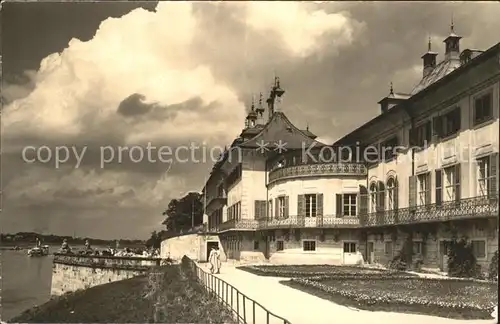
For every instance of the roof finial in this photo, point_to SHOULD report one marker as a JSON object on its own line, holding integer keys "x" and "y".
{"x": 307, "y": 126}
{"x": 429, "y": 47}
{"x": 452, "y": 24}
{"x": 253, "y": 102}
{"x": 260, "y": 99}
{"x": 392, "y": 89}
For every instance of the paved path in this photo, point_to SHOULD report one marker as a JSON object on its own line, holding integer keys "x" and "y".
{"x": 302, "y": 308}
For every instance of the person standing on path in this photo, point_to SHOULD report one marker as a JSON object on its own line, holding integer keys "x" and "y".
{"x": 214, "y": 260}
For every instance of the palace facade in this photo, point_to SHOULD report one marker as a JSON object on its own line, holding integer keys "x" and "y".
{"x": 425, "y": 171}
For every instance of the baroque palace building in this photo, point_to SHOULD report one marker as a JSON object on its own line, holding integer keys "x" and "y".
{"x": 425, "y": 171}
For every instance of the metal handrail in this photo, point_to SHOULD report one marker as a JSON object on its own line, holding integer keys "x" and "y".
{"x": 234, "y": 299}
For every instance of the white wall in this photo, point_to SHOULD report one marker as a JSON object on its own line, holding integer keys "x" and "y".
{"x": 177, "y": 247}
{"x": 329, "y": 251}
{"x": 463, "y": 147}
{"x": 192, "y": 245}
{"x": 254, "y": 179}
{"x": 329, "y": 187}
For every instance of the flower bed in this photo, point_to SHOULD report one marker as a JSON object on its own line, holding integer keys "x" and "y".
{"x": 446, "y": 298}
{"x": 306, "y": 271}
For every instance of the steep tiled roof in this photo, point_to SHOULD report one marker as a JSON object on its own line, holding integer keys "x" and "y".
{"x": 280, "y": 128}
{"x": 442, "y": 69}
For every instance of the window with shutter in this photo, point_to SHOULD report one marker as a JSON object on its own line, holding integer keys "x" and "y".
{"x": 349, "y": 204}
{"x": 363, "y": 200}
{"x": 276, "y": 208}
{"x": 423, "y": 190}
{"x": 428, "y": 200}
{"x": 422, "y": 135}
{"x": 439, "y": 187}
{"x": 412, "y": 199}
{"x": 451, "y": 122}
{"x": 319, "y": 206}
{"x": 380, "y": 196}
{"x": 286, "y": 212}
{"x": 260, "y": 209}
{"x": 301, "y": 210}
{"x": 280, "y": 207}
{"x": 483, "y": 108}
{"x": 270, "y": 209}
{"x": 493, "y": 185}
{"x": 338, "y": 205}
{"x": 311, "y": 205}
{"x": 452, "y": 183}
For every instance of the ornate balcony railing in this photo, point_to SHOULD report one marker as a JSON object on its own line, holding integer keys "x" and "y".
{"x": 313, "y": 170}
{"x": 469, "y": 208}
{"x": 326, "y": 221}
{"x": 240, "y": 224}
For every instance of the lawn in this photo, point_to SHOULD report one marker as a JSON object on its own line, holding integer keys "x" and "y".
{"x": 461, "y": 299}
{"x": 306, "y": 271}
{"x": 168, "y": 294}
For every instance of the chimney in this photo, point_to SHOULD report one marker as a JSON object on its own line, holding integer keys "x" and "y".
{"x": 429, "y": 60}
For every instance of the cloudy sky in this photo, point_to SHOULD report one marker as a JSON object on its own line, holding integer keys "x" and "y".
{"x": 93, "y": 77}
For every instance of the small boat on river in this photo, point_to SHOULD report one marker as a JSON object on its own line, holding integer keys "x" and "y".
{"x": 38, "y": 251}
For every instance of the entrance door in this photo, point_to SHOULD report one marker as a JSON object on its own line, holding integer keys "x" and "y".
{"x": 444, "y": 247}
{"x": 370, "y": 252}
{"x": 350, "y": 253}
{"x": 210, "y": 245}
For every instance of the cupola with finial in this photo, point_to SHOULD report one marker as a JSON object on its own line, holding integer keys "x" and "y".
{"x": 392, "y": 100}
{"x": 429, "y": 60}
{"x": 260, "y": 112}
{"x": 274, "y": 96}
{"x": 452, "y": 44}
{"x": 252, "y": 116}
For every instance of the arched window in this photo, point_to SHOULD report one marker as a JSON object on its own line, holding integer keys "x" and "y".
{"x": 392, "y": 193}
{"x": 373, "y": 197}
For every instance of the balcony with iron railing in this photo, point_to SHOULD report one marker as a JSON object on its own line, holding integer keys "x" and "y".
{"x": 239, "y": 224}
{"x": 468, "y": 208}
{"x": 318, "y": 169}
{"x": 320, "y": 221}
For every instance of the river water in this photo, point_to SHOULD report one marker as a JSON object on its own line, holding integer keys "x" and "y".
{"x": 25, "y": 282}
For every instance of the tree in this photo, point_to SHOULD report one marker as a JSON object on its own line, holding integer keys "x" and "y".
{"x": 183, "y": 213}
{"x": 461, "y": 260}
{"x": 154, "y": 241}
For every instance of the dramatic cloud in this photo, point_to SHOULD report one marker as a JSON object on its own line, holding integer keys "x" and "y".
{"x": 148, "y": 78}
{"x": 182, "y": 76}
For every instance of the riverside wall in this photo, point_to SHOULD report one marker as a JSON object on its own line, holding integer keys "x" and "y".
{"x": 74, "y": 272}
